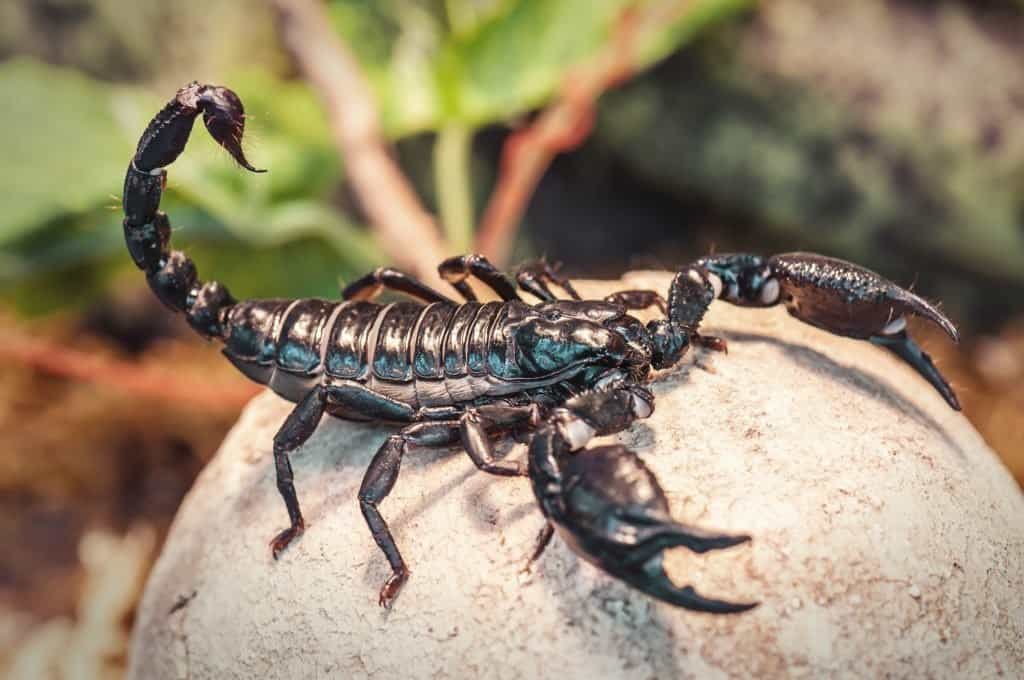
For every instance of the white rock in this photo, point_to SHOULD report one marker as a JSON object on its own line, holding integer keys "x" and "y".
{"x": 857, "y": 482}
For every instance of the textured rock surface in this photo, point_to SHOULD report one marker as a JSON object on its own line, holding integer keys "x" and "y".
{"x": 887, "y": 540}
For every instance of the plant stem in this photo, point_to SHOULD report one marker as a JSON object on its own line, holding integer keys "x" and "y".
{"x": 454, "y": 185}
{"x": 405, "y": 230}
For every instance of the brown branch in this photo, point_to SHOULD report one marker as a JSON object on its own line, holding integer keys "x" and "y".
{"x": 564, "y": 125}
{"x": 132, "y": 378}
{"x": 406, "y": 231}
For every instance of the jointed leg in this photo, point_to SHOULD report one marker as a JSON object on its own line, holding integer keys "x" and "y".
{"x": 534, "y": 277}
{"x": 370, "y": 286}
{"x": 383, "y": 471}
{"x": 639, "y": 299}
{"x": 473, "y": 426}
{"x": 455, "y": 270}
{"x": 297, "y": 428}
{"x": 377, "y": 484}
{"x": 540, "y": 545}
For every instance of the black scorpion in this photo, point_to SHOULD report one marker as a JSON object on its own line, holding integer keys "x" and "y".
{"x": 463, "y": 373}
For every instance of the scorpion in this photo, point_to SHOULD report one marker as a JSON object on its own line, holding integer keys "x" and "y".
{"x": 556, "y": 373}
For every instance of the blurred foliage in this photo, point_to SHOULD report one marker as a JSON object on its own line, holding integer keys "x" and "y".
{"x": 142, "y": 40}
{"x": 887, "y": 131}
{"x": 904, "y": 152}
{"x": 434, "y": 64}
{"x": 473, "y": 62}
{"x": 60, "y": 185}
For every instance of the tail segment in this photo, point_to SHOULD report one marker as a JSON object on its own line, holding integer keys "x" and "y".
{"x": 172, "y": 274}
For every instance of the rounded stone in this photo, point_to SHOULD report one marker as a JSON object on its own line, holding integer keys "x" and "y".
{"x": 887, "y": 540}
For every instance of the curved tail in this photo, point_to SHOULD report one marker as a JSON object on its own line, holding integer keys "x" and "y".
{"x": 147, "y": 232}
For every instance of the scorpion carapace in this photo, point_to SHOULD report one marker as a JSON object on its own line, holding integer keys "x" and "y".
{"x": 464, "y": 373}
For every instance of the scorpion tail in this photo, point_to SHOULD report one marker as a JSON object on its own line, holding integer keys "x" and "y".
{"x": 172, "y": 274}
{"x": 168, "y": 132}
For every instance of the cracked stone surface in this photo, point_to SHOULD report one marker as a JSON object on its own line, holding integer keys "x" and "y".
{"x": 888, "y": 540}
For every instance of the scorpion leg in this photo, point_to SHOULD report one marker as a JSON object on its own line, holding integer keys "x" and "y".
{"x": 639, "y": 299}
{"x": 834, "y": 295}
{"x": 473, "y": 427}
{"x": 455, "y": 270}
{"x": 534, "y": 277}
{"x": 297, "y": 428}
{"x": 370, "y": 286}
{"x": 383, "y": 471}
{"x": 540, "y": 545}
{"x": 608, "y": 506}
{"x": 380, "y": 479}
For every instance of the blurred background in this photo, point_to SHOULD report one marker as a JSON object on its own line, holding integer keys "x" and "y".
{"x": 605, "y": 134}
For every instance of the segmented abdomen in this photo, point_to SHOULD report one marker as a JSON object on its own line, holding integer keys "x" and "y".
{"x": 439, "y": 354}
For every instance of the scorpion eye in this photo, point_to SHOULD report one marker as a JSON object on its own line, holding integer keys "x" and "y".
{"x": 552, "y": 315}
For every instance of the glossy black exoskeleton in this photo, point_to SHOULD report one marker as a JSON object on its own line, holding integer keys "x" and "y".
{"x": 462, "y": 373}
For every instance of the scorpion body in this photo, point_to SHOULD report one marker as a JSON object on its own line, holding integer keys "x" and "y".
{"x": 405, "y": 358}
{"x": 464, "y": 373}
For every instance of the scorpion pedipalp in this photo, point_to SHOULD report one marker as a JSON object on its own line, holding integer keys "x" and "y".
{"x": 837, "y": 296}
{"x": 608, "y": 506}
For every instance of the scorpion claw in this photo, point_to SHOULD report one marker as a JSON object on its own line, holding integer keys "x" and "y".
{"x": 903, "y": 346}
{"x": 837, "y": 296}
{"x": 844, "y": 298}
{"x": 688, "y": 598}
{"x": 849, "y": 300}
{"x": 611, "y": 511}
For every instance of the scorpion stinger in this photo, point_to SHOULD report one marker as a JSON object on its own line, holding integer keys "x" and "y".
{"x": 605, "y": 503}
{"x": 172, "y": 274}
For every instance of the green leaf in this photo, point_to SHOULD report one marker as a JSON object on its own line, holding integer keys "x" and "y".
{"x": 67, "y": 140}
{"x": 474, "y": 62}
{"x": 65, "y": 149}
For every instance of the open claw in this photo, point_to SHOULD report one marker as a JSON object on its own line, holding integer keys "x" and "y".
{"x": 905, "y": 348}
{"x": 641, "y": 566}
{"x": 651, "y": 538}
{"x": 837, "y": 296}
{"x": 661, "y": 587}
{"x": 856, "y": 302}
{"x": 844, "y": 298}
{"x": 611, "y": 510}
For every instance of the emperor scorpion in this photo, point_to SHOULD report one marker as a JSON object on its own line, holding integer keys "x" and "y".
{"x": 467, "y": 372}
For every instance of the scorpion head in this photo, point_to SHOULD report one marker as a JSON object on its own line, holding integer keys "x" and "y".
{"x": 556, "y": 336}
